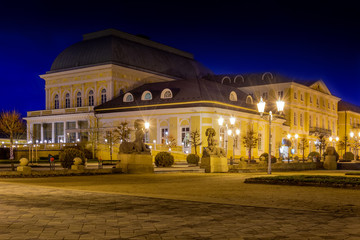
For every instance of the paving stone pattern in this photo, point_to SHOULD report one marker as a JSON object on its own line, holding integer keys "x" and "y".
{"x": 31, "y": 212}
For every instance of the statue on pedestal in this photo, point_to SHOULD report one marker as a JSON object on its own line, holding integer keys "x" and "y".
{"x": 137, "y": 146}
{"x": 211, "y": 149}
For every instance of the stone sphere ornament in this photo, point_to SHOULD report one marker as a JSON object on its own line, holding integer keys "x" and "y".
{"x": 24, "y": 162}
{"x": 77, "y": 161}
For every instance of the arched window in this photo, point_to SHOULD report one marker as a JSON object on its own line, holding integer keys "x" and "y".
{"x": 233, "y": 96}
{"x": 103, "y": 96}
{"x": 146, "y": 95}
{"x": 222, "y": 137}
{"x": 166, "y": 93}
{"x": 78, "y": 99}
{"x": 249, "y": 99}
{"x": 56, "y": 102}
{"x": 67, "y": 100}
{"x": 91, "y": 98}
{"x": 128, "y": 97}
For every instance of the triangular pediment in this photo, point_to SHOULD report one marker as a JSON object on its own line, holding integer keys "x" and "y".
{"x": 320, "y": 86}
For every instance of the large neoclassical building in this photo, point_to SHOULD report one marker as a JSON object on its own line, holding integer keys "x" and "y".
{"x": 111, "y": 77}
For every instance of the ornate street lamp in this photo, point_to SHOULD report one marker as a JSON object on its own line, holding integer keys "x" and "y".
{"x": 261, "y": 108}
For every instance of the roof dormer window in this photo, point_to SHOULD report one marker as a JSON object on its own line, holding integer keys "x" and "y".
{"x": 128, "y": 97}
{"x": 233, "y": 96}
{"x": 146, "y": 95}
{"x": 166, "y": 93}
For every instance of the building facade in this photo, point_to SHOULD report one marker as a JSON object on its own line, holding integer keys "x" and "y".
{"x": 112, "y": 77}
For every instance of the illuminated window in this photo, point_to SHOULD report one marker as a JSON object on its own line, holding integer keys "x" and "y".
{"x": 103, "y": 96}
{"x": 56, "y": 103}
{"x": 67, "y": 100}
{"x": 146, "y": 95}
{"x": 166, "y": 93}
{"x": 78, "y": 99}
{"x": 128, "y": 97}
{"x": 222, "y": 138}
{"x": 164, "y": 133}
{"x": 233, "y": 96}
{"x": 91, "y": 98}
{"x": 249, "y": 99}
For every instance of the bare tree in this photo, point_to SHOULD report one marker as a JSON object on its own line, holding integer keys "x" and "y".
{"x": 250, "y": 141}
{"x": 321, "y": 144}
{"x": 195, "y": 139}
{"x": 303, "y": 144}
{"x": 122, "y": 132}
{"x": 93, "y": 134}
{"x": 12, "y": 125}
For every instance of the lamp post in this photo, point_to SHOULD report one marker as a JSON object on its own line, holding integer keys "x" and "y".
{"x": 231, "y": 131}
{"x": 261, "y": 108}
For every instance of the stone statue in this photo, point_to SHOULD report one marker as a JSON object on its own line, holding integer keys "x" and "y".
{"x": 138, "y": 145}
{"x": 331, "y": 157}
{"x": 211, "y": 149}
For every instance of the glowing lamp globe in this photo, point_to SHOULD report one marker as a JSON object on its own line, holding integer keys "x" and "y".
{"x": 261, "y": 106}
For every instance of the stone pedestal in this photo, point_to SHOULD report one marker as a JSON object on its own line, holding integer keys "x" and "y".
{"x": 24, "y": 169}
{"x": 330, "y": 162}
{"x": 77, "y": 167}
{"x": 135, "y": 163}
{"x": 214, "y": 164}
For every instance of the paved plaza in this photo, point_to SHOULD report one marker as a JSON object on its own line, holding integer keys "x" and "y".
{"x": 35, "y": 212}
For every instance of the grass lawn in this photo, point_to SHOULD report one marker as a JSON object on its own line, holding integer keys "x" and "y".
{"x": 217, "y": 188}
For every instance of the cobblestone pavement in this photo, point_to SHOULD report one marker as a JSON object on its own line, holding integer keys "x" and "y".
{"x": 30, "y": 212}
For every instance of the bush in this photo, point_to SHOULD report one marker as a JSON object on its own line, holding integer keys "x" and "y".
{"x": 81, "y": 147}
{"x": 164, "y": 159}
{"x": 193, "y": 159}
{"x": 314, "y": 154}
{"x": 67, "y": 156}
{"x": 265, "y": 157}
{"x": 348, "y": 156}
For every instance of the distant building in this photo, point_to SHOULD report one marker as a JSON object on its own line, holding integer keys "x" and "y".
{"x": 111, "y": 77}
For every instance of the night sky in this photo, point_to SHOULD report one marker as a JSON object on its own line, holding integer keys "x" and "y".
{"x": 295, "y": 38}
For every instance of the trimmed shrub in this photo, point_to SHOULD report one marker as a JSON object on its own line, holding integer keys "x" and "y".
{"x": 314, "y": 154}
{"x": 81, "y": 147}
{"x": 348, "y": 156}
{"x": 67, "y": 156}
{"x": 164, "y": 159}
{"x": 193, "y": 159}
{"x": 265, "y": 157}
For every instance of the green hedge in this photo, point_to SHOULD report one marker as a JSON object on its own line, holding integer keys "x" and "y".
{"x": 193, "y": 159}
{"x": 164, "y": 159}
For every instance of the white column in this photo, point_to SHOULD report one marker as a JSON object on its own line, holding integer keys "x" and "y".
{"x": 65, "y": 136}
{"x": 77, "y": 131}
{"x": 53, "y": 132}
{"x": 42, "y": 132}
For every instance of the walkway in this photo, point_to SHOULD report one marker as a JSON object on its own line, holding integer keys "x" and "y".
{"x": 32, "y": 212}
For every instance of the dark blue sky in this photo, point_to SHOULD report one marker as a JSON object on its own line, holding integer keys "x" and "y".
{"x": 307, "y": 40}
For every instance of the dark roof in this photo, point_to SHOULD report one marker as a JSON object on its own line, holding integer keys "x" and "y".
{"x": 115, "y": 47}
{"x": 346, "y": 106}
{"x": 256, "y": 79}
{"x": 185, "y": 94}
